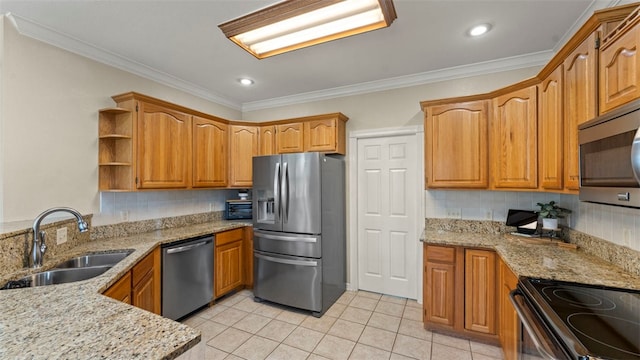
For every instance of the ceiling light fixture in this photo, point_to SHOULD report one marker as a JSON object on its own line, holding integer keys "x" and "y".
{"x": 294, "y": 24}
{"x": 479, "y": 30}
{"x": 246, "y": 81}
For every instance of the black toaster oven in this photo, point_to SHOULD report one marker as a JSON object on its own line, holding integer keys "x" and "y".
{"x": 238, "y": 209}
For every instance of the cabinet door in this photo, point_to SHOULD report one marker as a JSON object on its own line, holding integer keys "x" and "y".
{"x": 620, "y": 69}
{"x": 121, "y": 290}
{"x": 163, "y": 147}
{"x": 248, "y": 257}
{"x": 146, "y": 279}
{"x": 579, "y": 103}
{"x": 209, "y": 153}
{"x": 514, "y": 137}
{"x": 267, "y": 140}
{"x": 228, "y": 268}
{"x": 143, "y": 293}
{"x": 320, "y": 135}
{"x": 509, "y": 323}
{"x": 440, "y": 290}
{"x": 480, "y": 291}
{"x": 550, "y": 131}
{"x": 456, "y": 145}
{"x": 289, "y": 138}
{"x": 243, "y": 143}
{"x": 439, "y": 285}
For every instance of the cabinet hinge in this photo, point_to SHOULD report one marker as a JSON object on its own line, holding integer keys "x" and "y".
{"x": 597, "y": 43}
{"x": 136, "y": 107}
{"x": 136, "y": 180}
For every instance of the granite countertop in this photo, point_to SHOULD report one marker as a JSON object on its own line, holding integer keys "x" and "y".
{"x": 540, "y": 258}
{"x": 75, "y": 321}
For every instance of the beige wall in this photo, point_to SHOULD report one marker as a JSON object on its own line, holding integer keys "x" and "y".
{"x": 50, "y": 99}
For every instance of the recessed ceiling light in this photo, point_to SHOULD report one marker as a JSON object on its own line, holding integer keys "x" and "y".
{"x": 246, "y": 81}
{"x": 480, "y": 29}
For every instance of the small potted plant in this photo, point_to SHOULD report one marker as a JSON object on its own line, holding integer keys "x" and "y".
{"x": 550, "y": 212}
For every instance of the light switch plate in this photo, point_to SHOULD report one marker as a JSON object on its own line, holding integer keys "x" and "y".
{"x": 61, "y": 235}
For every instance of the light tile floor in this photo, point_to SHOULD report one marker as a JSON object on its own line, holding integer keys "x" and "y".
{"x": 360, "y": 325}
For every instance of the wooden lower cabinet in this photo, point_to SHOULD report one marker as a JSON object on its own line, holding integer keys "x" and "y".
{"x": 439, "y": 285}
{"x": 229, "y": 262}
{"x": 480, "y": 291}
{"x": 509, "y": 324}
{"x": 460, "y": 292}
{"x": 248, "y": 257}
{"x": 140, "y": 287}
{"x": 121, "y": 290}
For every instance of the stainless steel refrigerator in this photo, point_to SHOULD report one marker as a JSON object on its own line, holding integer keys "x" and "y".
{"x": 299, "y": 230}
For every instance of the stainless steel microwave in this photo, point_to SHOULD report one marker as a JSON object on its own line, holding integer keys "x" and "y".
{"x": 610, "y": 157}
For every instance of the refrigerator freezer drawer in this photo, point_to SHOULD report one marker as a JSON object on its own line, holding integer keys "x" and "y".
{"x": 288, "y": 280}
{"x": 287, "y": 243}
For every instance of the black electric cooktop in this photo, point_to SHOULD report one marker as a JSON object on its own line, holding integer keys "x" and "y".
{"x": 592, "y": 321}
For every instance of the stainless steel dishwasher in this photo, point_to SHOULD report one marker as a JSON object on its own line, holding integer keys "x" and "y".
{"x": 187, "y": 276}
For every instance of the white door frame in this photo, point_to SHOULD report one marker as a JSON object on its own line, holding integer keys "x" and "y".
{"x": 352, "y": 232}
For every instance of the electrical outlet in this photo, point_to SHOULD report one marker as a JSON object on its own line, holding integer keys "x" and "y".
{"x": 124, "y": 215}
{"x": 61, "y": 235}
{"x": 488, "y": 215}
{"x": 626, "y": 236}
{"x": 210, "y": 207}
{"x": 454, "y": 213}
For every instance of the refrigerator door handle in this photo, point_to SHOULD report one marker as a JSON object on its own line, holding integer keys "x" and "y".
{"x": 287, "y": 261}
{"x": 276, "y": 192}
{"x": 285, "y": 193}
{"x": 306, "y": 239}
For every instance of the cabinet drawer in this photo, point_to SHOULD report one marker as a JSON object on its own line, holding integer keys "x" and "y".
{"x": 441, "y": 254}
{"x": 229, "y": 236}
{"x": 142, "y": 268}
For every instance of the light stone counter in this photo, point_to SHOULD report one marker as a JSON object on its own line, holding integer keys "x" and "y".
{"x": 74, "y": 321}
{"x": 539, "y": 258}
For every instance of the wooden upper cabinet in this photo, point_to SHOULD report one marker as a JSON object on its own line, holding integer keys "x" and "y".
{"x": 209, "y": 153}
{"x": 620, "y": 65}
{"x": 243, "y": 145}
{"x": 580, "y": 105}
{"x": 267, "y": 140}
{"x": 513, "y": 137}
{"x": 550, "y": 131}
{"x": 325, "y": 135}
{"x": 163, "y": 147}
{"x": 289, "y": 138}
{"x": 456, "y": 145}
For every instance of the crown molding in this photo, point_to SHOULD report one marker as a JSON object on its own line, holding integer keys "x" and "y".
{"x": 452, "y": 73}
{"x": 50, "y": 36}
{"x": 582, "y": 19}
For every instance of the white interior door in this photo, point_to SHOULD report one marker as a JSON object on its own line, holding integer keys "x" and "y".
{"x": 387, "y": 215}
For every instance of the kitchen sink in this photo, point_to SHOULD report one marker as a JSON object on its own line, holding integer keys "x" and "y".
{"x": 90, "y": 260}
{"x": 57, "y": 276}
{"x": 76, "y": 269}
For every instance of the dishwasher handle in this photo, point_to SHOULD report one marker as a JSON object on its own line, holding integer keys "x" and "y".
{"x": 181, "y": 249}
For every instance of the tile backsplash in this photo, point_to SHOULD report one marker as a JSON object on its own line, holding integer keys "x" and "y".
{"x": 618, "y": 225}
{"x": 116, "y": 207}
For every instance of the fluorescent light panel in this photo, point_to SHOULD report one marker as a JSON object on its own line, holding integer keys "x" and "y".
{"x": 294, "y": 24}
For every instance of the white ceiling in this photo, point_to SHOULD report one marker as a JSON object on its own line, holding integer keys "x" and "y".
{"x": 178, "y": 43}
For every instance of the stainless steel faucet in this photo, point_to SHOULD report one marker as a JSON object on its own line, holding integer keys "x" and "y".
{"x": 39, "y": 246}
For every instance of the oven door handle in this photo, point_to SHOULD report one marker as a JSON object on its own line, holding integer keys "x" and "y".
{"x": 527, "y": 318}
